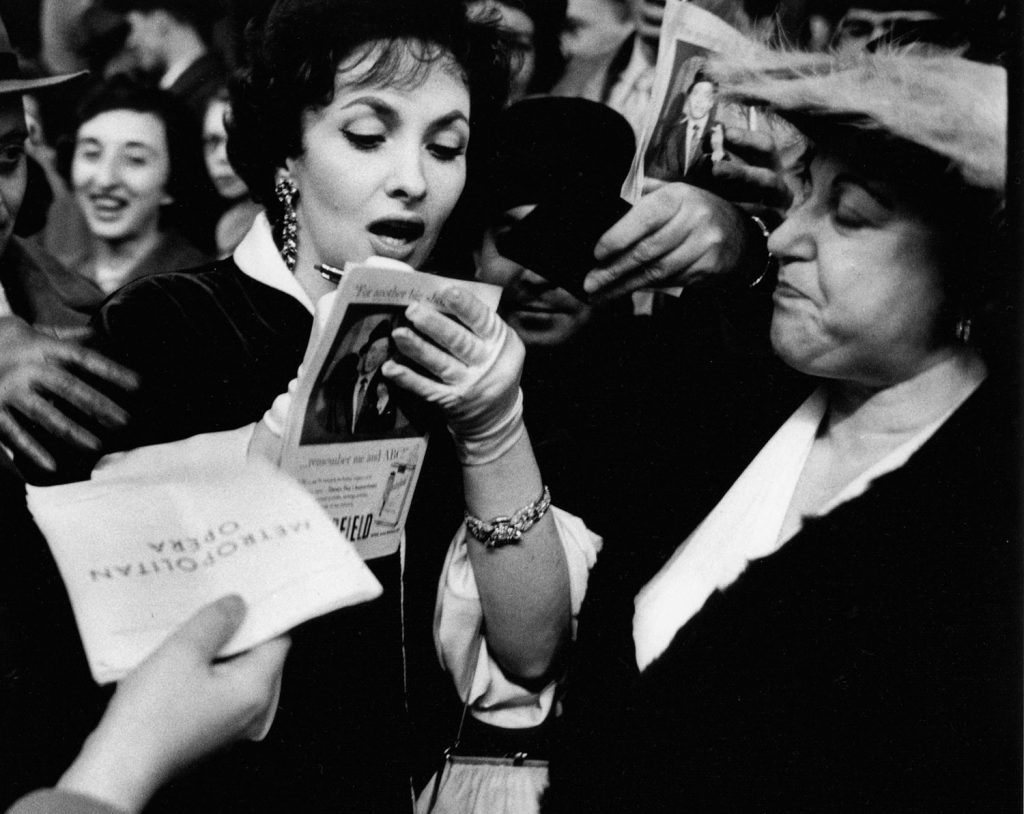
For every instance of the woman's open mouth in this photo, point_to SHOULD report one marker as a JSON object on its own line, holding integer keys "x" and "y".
{"x": 107, "y": 207}
{"x": 396, "y": 238}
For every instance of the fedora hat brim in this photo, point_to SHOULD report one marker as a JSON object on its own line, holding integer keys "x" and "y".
{"x": 13, "y": 86}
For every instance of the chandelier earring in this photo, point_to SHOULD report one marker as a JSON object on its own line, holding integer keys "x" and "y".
{"x": 285, "y": 190}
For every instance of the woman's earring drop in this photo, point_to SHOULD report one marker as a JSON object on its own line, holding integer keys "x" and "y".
{"x": 285, "y": 190}
{"x": 962, "y": 330}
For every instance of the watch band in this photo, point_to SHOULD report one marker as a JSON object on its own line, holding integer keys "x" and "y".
{"x": 507, "y": 529}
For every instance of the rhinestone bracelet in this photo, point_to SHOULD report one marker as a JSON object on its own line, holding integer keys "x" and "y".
{"x": 507, "y": 529}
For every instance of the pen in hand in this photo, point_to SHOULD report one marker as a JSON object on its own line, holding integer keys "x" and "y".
{"x": 329, "y": 273}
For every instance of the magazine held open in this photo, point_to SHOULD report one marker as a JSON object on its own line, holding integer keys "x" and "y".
{"x": 355, "y": 440}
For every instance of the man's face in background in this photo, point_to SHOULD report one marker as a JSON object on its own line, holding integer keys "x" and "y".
{"x": 13, "y": 169}
{"x": 647, "y": 16}
{"x": 594, "y": 27}
{"x": 146, "y": 38}
{"x": 861, "y": 26}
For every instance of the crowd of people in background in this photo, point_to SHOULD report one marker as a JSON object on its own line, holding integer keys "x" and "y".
{"x": 797, "y": 478}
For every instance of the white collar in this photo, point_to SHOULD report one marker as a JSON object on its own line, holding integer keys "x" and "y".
{"x": 257, "y": 256}
{"x": 175, "y": 70}
{"x": 746, "y": 523}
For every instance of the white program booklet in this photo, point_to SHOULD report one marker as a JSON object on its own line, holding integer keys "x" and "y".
{"x": 160, "y": 531}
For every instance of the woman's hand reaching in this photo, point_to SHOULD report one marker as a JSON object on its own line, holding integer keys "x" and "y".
{"x": 176, "y": 707}
{"x": 474, "y": 363}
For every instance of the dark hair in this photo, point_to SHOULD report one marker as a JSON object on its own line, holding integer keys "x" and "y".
{"x": 296, "y": 53}
{"x": 187, "y": 183}
{"x": 698, "y": 78}
{"x": 197, "y": 14}
{"x": 548, "y": 18}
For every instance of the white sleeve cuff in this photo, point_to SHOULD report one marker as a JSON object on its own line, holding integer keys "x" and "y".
{"x": 494, "y": 699}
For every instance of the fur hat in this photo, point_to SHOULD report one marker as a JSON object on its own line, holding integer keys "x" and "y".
{"x": 950, "y": 106}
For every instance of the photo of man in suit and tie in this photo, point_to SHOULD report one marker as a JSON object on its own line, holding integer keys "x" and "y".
{"x": 685, "y": 132}
{"x": 352, "y": 401}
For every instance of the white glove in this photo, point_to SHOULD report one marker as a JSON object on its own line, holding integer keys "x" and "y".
{"x": 476, "y": 367}
{"x": 268, "y": 434}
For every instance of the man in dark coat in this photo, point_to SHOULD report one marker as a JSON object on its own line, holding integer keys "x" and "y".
{"x": 171, "y": 38}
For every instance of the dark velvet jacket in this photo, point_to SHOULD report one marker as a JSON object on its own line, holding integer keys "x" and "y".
{"x": 872, "y": 664}
{"x": 213, "y": 348}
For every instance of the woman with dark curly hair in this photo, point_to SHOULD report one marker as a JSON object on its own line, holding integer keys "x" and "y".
{"x": 352, "y": 126}
{"x": 137, "y": 177}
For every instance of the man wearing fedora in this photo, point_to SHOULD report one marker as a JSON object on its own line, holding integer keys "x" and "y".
{"x": 43, "y": 306}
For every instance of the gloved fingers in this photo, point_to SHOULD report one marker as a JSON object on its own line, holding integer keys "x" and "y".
{"x": 441, "y": 365}
{"x": 446, "y": 333}
{"x": 416, "y": 383}
{"x": 472, "y": 313}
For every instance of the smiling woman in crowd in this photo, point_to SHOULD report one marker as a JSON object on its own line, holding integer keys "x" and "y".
{"x": 135, "y": 173}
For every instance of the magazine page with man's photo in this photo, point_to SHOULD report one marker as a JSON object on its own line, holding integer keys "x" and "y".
{"x": 684, "y": 133}
{"x": 355, "y": 439}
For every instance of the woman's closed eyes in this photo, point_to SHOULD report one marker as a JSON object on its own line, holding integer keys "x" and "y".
{"x": 851, "y": 203}
{"x": 855, "y": 206}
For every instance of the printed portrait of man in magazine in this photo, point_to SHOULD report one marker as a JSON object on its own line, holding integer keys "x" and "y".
{"x": 352, "y": 400}
{"x": 681, "y": 144}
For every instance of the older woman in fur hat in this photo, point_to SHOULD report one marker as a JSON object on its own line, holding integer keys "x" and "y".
{"x": 839, "y": 628}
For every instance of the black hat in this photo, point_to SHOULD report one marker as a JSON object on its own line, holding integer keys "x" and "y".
{"x": 569, "y": 157}
{"x": 551, "y": 147}
{"x": 11, "y": 78}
